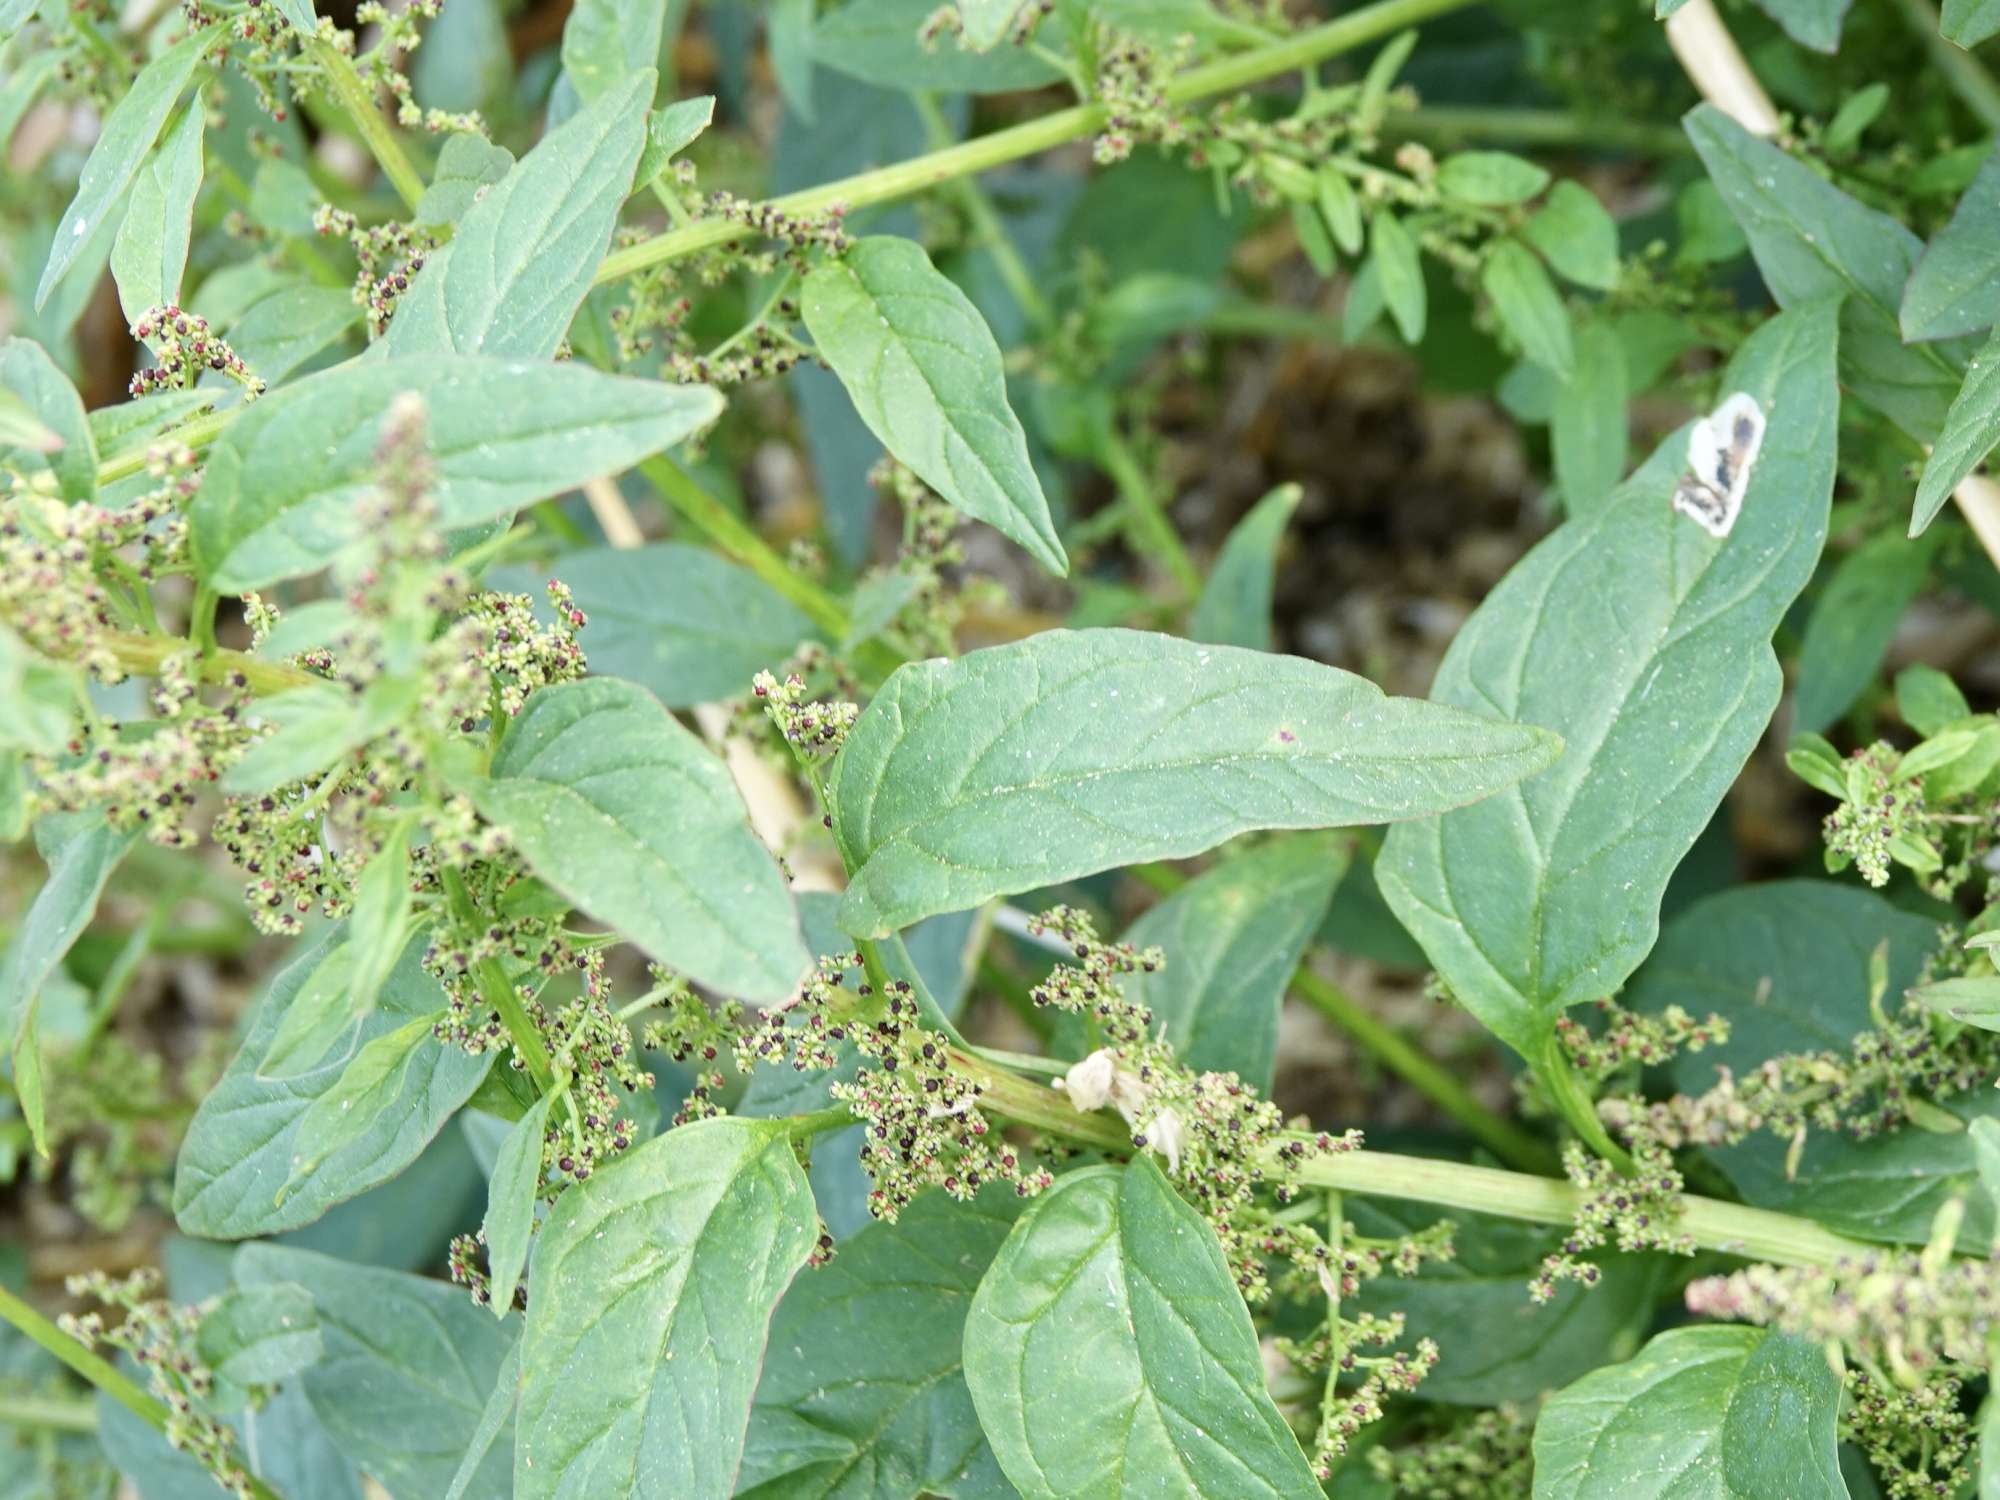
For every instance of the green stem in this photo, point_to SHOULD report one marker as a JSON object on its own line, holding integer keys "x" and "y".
{"x": 1962, "y": 70}
{"x": 146, "y": 654}
{"x": 1566, "y": 1092}
{"x": 1387, "y": 1046}
{"x": 740, "y": 541}
{"x": 1445, "y": 125}
{"x": 48, "y": 1412}
{"x": 499, "y": 992}
{"x": 901, "y": 179}
{"x": 352, "y": 95}
{"x": 1146, "y": 525}
{"x": 94, "y": 1368}
{"x": 819, "y": 1122}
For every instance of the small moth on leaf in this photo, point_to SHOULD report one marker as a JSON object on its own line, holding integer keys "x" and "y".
{"x": 1721, "y": 451}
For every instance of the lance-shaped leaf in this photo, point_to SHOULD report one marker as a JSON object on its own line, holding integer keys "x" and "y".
{"x": 279, "y": 496}
{"x": 510, "y": 1202}
{"x": 28, "y": 372}
{"x": 151, "y": 250}
{"x": 1971, "y": 429}
{"x": 925, "y": 374}
{"x": 862, "y": 1397}
{"x": 1078, "y": 751}
{"x": 524, "y": 255}
{"x": 628, "y": 815}
{"x": 1969, "y": 22}
{"x": 1109, "y": 1353}
{"x": 1955, "y": 288}
{"x": 239, "y": 1148}
{"x": 1812, "y": 241}
{"x": 654, "y": 1286}
{"x": 81, "y": 852}
{"x": 127, "y": 135}
{"x": 1646, "y": 643}
{"x": 1235, "y": 604}
{"x": 1722, "y": 1413}
{"x": 1232, "y": 937}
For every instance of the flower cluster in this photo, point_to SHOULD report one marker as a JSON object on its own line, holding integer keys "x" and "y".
{"x": 1639, "y": 1210}
{"x": 160, "y": 1337}
{"x": 1488, "y": 1453}
{"x": 813, "y": 729}
{"x": 390, "y": 255}
{"x": 184, "y": 348}
{"x": 1630, "y": 1039}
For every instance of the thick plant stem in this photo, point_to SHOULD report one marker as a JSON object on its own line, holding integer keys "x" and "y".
{"x": 146, "y": 654}
{"x": 900, "y": 180}
{"x": 49, "y": 1413}
{"x": 1506, "y": 1140}
{"x": 98, "y": 1370}
{"x": 1574, "y": 1105}
{"x": 1147, "y": 527}
{"x": 353, "y": 97}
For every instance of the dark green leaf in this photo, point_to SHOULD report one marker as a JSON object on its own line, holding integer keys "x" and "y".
{"x": 1587, "y": 424}
{"x": 1527, "y": 304}
{"x": 1970, "y": 22}
{"x": 628, "y": 815}
{"x": 408, "y": 1367}
{"x": 925, "y": 374}
{"x": 1576, "y": 236}
{"x": 1851, "y": 624}
{"x": 605, "y": 41}
{"x": 1235, "y": 604}
{"x": 1732, "y": 1413}
{"x": 1810, "y": 23}
{"x": 27, "y": 371}
{"x": 280, "y": 334}
{"x": 524, "y": 254}
{"x": 1110, "y": 1354}
{"x": 373, "y": 1082}
{"x": 1076, "y": 751}
{"x": 510, "y": 1202}
{"x": 152, "y": 246}
{"x": 879, "y": 42}
{"x": 279, "y": 495}
{"x": 862, "y": 1397}
{"x": 1621, "y": 631}
{"x": 691, "y": 626}
{"x": 1232, "y": 937}
{"x": 81, "y": 852}
{"x": 1787, "y": 965}
{"x": 1811, "y": 241}
{"x": 654, "y": 1286}
{"x": 239, "y": 1148}
{"x": 260, "y": 1335}
{"x": 128, "y": 133}
{"x": 1971, "y": 429}
{"x": 1393, "y": 255}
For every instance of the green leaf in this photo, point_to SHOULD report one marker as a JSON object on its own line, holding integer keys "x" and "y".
{"x": 260, "y": 1335}
{"x": 1811, "y": 241}
{"x": 1232, "y": 937}
{"x": 279, "y": 334}
{"x": 1587, "y": 424}
{"x": 408, "y": 1367}
{"x": 628, "y": 815}
{"x": 1235, "y": 604}
{"x": 925, "y": 374}
{"x": 467, "y": 165}
{"x": 1393, "y": 255}
{"x": 126, "y": 136}
{"x": 1490, "y": 179}
{"x": 1340, "y": 206}
{"x": 1787, "y": 964}
{"x": 239, "y": 1148}
{"x": 1497, "y": 1344}
{"x": 1076, "y": 751}
{"x": 343, "y": 990}
{"x": 654, "y": 1287}
{"x": 1975, "y": 1001}
{"x": 38, "y": 699}
{"x": 21, "y": 428}
{"x": 510, "y": 1202}
{"x": 494, "y": 1418}
{"x": 314, "y": 726}
{"x": 985, "y": 22}
{"x": 689, "y": 625}
{"x": 1110, "y": 1354}
{"x": 279, "y": 495}
{"x": 30, "y": 1079}
{"x": 880, "y": 42}
{"x": 81, "y": 851}
{"x": 605, "y": 41}
{"x": 372, "y": 1084}
{"x": 1928, "y": 700}
{"x": 1810, "y": 23}
{"x": 1852, "y": 622}
{"x": 524, "y": 254}
{"x": 1621, "y": 632}
{"x": 1971, "y": 429}
{"x": 1528, "y": 306}
{"x": 1720, "y": 1413}
{"x": 1970, "y": 22}
{"x": 1314, "y": 240}
{"x": 151, "y": 250}
{"x": 1576, "y": 235}
{"x": 670, "y": 130}
{"x": 27, "y": 371}
{"x": 862, "y": 1397}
